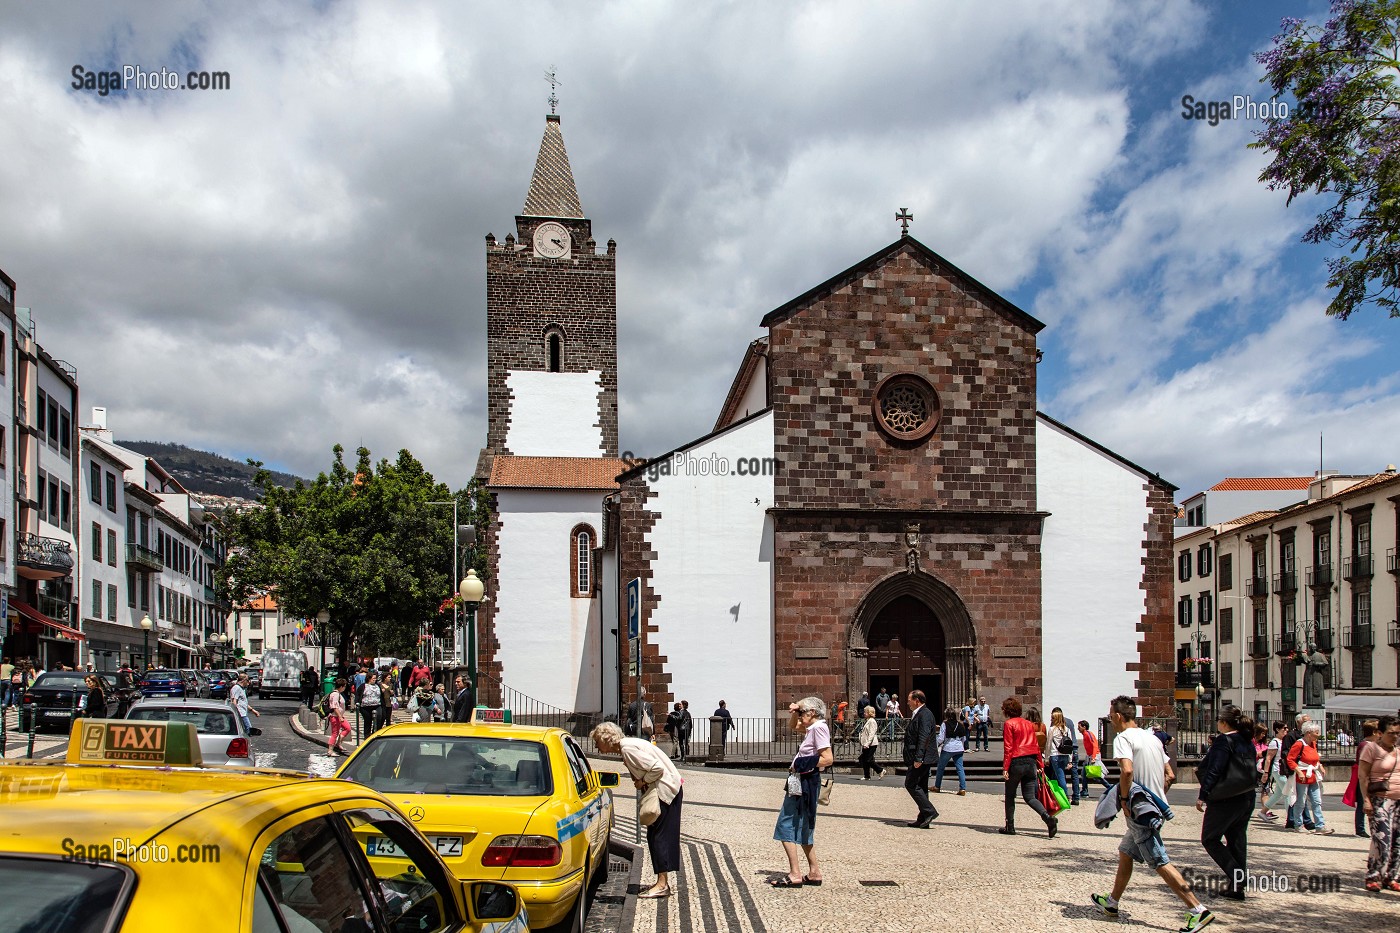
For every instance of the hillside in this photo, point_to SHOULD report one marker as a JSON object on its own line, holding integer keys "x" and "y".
{"x": 203, "y": 472}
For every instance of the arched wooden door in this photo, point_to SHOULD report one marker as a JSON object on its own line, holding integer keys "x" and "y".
{"x": 907, "y": 651}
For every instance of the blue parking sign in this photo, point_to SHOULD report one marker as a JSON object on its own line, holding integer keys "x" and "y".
{"x": 634, "y": 607}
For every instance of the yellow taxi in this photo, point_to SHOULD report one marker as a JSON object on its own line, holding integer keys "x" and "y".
{"x": 501, "y": 802}
{"x": 130, "y": 831}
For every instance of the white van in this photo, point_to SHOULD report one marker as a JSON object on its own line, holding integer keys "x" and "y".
{"x": 281, "y": 673}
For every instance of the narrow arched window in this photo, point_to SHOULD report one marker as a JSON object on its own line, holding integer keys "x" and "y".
{"x": 556, "y": 353}
{"x": 581, "y": 561}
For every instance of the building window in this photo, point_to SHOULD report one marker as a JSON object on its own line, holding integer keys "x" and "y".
{"x": 1361, "y": 606}
{"x": 1227, "y": 676}
{"x": 95, "y": 482}
{"x": 131, "y": 588}
{"x": 255, "y": 623}
{"x": 1183, "y": 566}
{"x": 1361, "y": 538}
{"x": 143, "y": 585}
{"x": 111, "y": 602}
{"x": 112, "y": 493}
{"x": 65, "y": 509}
{"x": 581, "y": 560}
{"x": 111, "y": 548}
{"x": 1227, "y": 571}
{"x": 2, "y": 433}
{"x": 53, "y": 423}
{"x": 65, "y": 434}
{"x": 41, "y": 406}
{"x": 1227, "y": 626}
{"x": 1203, "y": 561}
{"x": 554, "y": 351}
{"x": 1183, "y": 611}
{"x": 53, "y": 501}
{"x": 1203, "y": 608}
{"x": 97, "y": 599}
{"x": 1361, "y": 669}
{"x": 1261, "y": 675}
{"x": 97, "y": 542}
{"x": 255, "y": 646}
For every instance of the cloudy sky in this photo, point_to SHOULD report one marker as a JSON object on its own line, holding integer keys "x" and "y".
{"x": 298, "y": 261}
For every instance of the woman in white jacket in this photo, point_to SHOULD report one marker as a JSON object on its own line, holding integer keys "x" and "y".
{"x": 650, "y": 767}
{"x": 869, "y": 739}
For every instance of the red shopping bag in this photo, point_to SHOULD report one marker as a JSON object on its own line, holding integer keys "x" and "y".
{"x": 1349, "y": 795}
{"x": 1045, "y": 795}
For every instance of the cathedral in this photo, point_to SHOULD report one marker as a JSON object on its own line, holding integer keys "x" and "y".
{"x": 879, "y": 504}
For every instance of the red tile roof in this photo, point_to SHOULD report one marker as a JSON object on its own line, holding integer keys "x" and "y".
{"x": 1261, "y": 483}
{"x": 556, "y": 472}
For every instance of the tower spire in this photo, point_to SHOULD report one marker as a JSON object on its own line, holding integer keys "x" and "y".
{"x": 552, "y": 190}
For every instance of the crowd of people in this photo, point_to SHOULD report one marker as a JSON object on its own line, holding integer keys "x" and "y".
{"x": 373, "y": 695}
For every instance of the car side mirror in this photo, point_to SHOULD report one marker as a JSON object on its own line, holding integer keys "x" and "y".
{"x": 491, "y": 902}
{"x": 607, "y": 778}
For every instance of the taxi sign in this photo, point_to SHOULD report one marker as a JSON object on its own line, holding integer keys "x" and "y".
{"x": 124, "y": 741}
{"x": 497, "y": 715}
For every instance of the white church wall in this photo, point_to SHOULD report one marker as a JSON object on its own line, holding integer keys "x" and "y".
{"x": 756, "y": 393}
{"x": 550, "y": 642}
{"x": 714, "y": 620}
{"x": 554, "y": 414}
{"x": 607, "y": 610}
{"x": 1091, "y": 578}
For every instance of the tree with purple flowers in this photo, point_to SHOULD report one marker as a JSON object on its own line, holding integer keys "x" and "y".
{"x": 1341, "y": 139}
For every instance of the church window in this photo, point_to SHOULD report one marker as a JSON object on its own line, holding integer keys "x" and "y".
{"x": 581, "y": 560}
{"x": 554, "y": 351}
{"x": 906, "y": 407}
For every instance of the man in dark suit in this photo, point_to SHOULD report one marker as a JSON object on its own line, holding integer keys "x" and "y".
{"x": 918, "y": 750}
{"x": 463, "y": 701}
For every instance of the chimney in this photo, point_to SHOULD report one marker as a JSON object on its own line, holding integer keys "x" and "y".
{"x": 99, "y": 418}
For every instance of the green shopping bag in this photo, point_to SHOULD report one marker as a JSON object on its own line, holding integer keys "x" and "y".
{"x": 1094, "y": 771}
{"x": 1060, "y": 796}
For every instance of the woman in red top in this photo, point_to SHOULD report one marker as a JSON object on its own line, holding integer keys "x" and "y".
{"x": 1092, "y": 755}
{"x": 1307, "y": 765}
{"x": 1020, "y": 766}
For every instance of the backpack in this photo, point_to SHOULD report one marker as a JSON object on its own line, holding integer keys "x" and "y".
{"x": 1289, "y": 740}
{"x": 324, "y": 707}
{"x": 1066, "y": 744}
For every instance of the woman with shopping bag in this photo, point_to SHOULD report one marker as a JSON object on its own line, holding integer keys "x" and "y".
{"x": 1094, "y": 769}
{"x": 659, "y": 784}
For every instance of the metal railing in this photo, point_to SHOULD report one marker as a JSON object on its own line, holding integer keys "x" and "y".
{"x": 1359, "y": 637}
{"x": 45, "y": 552}
{"x": 1258, "y": 586}
{"x": 1286, "y": 582}
{"x": 142, "y": 556}
{"x": 1320, "y": 575}
{"x": 1357, "y": 567}
{"x": 1392, "y": 561}
{"x": 1259, "y": 646}
{"x": 1393, "y": 636}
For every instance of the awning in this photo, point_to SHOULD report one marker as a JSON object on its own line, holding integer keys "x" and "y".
{"x": 174, "y": 644}
{"x": 1360, "y": 704}
{"x": 34, "y": 615}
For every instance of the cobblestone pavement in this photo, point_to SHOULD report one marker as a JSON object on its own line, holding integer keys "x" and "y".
{"x": 881, "y": 875}
{"x": 46, "y": 744}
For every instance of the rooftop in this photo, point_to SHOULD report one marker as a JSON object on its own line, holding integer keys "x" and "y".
{"x": 1261, "y": 483}
{"x": 556, "y": 472}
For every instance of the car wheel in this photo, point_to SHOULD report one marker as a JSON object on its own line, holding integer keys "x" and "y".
{"x": 578, "y": 913}
{"x": 600, "y": 875}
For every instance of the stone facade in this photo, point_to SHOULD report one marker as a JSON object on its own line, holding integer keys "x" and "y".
{"x": 1156, "y": 664}
{"x": 635, "y": 521}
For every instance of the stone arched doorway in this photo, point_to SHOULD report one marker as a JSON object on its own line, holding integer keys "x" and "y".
{"x": 913, "y": 631}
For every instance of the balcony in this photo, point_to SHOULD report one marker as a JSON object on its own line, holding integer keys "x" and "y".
{"x": 1287, "y": 642}
{"x": 1286, "y": 582}
{"x": 143, "y": 557}
{"x": 1357, "y": 567}
{"x": 1259, "y": 646}
{"x": 1321, "y": 575}
{"x": 40, "y": 558}
{"x": 54, "y": 608}
{"x": 1359, "y": 638}
{"x": 1258, "y": 586}
{"x": 1393, "y": 637}
{"x": 1198, "y": 675}
{"x": 1392, "y": 561}
{"x": 1323, "y": 640}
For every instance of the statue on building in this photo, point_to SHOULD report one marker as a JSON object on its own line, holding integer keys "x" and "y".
{"x": 911, "y": 547}
{"x": 1314, "y": 677}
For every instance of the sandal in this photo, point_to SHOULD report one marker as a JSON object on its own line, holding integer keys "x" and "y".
{"x": 785, "y": 882}
{"x": 815, "y": 884}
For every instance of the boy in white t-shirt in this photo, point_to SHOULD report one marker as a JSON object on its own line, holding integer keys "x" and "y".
{"x": 1143, "y": 760}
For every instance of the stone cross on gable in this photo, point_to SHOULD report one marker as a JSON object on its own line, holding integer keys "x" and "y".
{"x": 553, "y": 83}
{"x": 904, "y": 218}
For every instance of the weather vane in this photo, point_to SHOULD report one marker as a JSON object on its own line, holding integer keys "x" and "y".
{"x": 904, "y": 217}
{"x": 553, "y": 83}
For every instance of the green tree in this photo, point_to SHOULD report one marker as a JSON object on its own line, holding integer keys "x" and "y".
{"x": 362, "y": 544}
{"x": 1341, "y": 140}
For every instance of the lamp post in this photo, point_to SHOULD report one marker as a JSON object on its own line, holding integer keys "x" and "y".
{"x": 471, "y": 591}
{"x": 323, "y": 619}
{"x": 146, "y": 626}
{"x": 457, "y": 532}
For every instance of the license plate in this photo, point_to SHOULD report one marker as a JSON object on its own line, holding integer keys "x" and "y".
{"x": 384, "y": 847}
{"x": 57, "y": 712}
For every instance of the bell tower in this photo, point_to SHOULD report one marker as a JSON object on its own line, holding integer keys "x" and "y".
{"x": 551, "y": 324}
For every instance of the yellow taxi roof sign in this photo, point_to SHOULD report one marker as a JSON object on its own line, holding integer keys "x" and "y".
{"x": 125, "y": 741}
{"x": 497, "y": 715}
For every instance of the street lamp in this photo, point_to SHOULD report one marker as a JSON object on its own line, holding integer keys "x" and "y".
{"x": 457, "y": 532}
{"x": 472, "y": 590}
{"x": 146, "y": 626}
{"x": 323, "y": 619}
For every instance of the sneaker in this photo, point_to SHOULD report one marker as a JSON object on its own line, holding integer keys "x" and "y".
{"x": 1196, "y": 921}
{"x": 1290, "y": 825}
{"x": 1268, "y": 817}
{"x": 1324, "y": 831}
{"x": 962, "y": 793}
{"x": 1103, "y": 903}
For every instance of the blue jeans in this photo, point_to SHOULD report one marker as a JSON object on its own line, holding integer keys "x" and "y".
{"x": 1297, "y": 816}
{"x": 1310, "y": 797}
{"x": 4, "y": 692}
{"x": 943, "y": 759}
{"x": 1056, "y": 770}
{"x": 1079, "y": 779}
{"x": 981, "y": 736}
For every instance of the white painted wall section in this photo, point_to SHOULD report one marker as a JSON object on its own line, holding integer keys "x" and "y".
{"x": 550, "y": 642}
{"x": 713, "y": 572}
{"x": 1091, "y": 578}
{"x": 555, "y": 414}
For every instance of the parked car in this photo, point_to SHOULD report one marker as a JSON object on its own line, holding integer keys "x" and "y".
{"x": 124, "y": 682}
{"x": 191, "y": 677}
{"x": 222, "y": 740}
{"x": 162, "y": 682}
{"x": 57, "y": 698}
{"x": 214, "y": 685}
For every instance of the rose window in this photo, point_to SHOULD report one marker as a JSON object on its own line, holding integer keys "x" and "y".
{"x": 906, "y": 407}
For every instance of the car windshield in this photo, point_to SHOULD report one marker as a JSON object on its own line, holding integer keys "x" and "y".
{"x": 47, "y": 896}
{"x": 474, "y": 765}
{"x": 205, "y": 721}
{"x": 162, "y": 675}
{"x": 64, "y": 679}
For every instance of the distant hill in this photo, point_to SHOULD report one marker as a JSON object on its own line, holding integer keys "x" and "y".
{"x": 204, "y": 472}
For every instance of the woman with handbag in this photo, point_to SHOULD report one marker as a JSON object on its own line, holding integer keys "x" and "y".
{"x": 1227, "y": 780}
{"x": 797, "y": 820}
{"x": 1061, "y": 745}
{"x": 659, "y": 783}
{"x": 1378, "y": 781}
{"x": 869, "y": 744}
{"x": 1020, "y": 766}
{"x": 1306, "y": 761}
